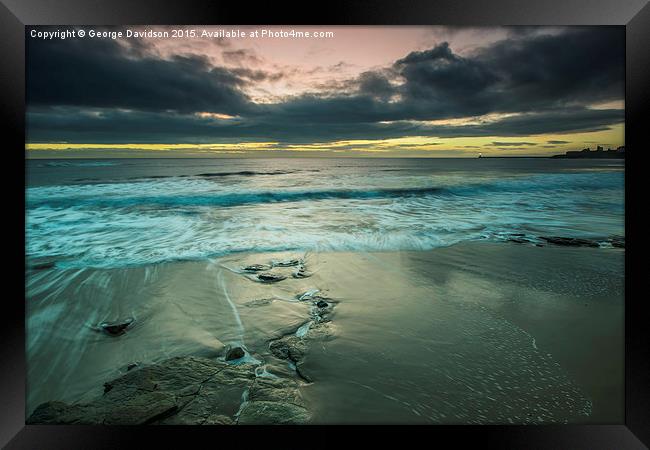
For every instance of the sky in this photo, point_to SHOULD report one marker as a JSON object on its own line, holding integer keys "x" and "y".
{"x": 406, "y": 91}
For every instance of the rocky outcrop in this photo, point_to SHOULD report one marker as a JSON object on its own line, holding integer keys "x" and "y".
{"x": 222, "y": 388}
{"x": 519, "y": 240}
{"x": 301, "y": 272}
{"x": 258, "y": 302}
{"x": 115, "y": 328}
{"x": 185, "y": 390}
{"x": 235, "y": 353}
{"x": 617, "y": 241}
{"x": 270, "y": 277}
{"x": 570, "y": 242}
{"x": 541, "y": 241}
{"x": 256, "y": 268}
{"x": 287, "y": 263}
{"x": 293, "y": 347}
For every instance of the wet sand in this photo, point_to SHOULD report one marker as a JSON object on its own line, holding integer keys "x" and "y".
{"x": 472, "y": 333}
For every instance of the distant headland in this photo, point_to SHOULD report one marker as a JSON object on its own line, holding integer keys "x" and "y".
{"x": 619, "y": 153}
{"x": 586, "y": 153}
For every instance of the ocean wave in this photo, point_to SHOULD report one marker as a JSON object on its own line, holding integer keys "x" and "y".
{"x": 174, "y": 195}
{"x": 234, "y": 199}
{"x": 244, "y": 173}
{"x": 145, "y": 222}
{"x": 241, "y": 173}
{"x": 79, "y": 164}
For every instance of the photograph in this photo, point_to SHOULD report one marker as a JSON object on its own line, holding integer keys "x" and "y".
{"x": 325, "y": 225}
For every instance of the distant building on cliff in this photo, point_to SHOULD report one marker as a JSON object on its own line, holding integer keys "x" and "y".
{"x": 619, "y": 153}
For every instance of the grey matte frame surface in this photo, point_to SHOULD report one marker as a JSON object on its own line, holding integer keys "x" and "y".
{"x": 633, "y": 14}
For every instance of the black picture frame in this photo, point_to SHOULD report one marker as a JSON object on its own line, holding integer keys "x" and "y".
{"x": 16, "y": 14}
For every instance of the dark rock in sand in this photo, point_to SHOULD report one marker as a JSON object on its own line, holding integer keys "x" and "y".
{"x": 272, "y": 413}
{"x": 322, "y": 304}
{"x": 49, "y": 412}
{"x": 294, "y": 348}
{"x": 131, "y": 366}
{"x": 115, "y": 328}
{"x": 289, "y": 347}
{"x": 300, "y": 370}
{"x": 571, "y": 242}
{"x": 269, "y": 277}
{"x": 256, "y": 267}
{"x": 287, "y": 263}
{"x": 235, "y": 353}
{"x": 301, "y": 273}
{"x": 517, "y": 240}
{"x": 618, "y": 242}
{"x": 184, "y": 390}
{"x": 258, "y": 302}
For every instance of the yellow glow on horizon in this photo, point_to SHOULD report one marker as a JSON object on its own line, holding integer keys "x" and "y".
{"x": 163, "y": 147}
{"x": 533, "y": 145}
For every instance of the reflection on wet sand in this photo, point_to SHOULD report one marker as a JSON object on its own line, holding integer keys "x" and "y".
{"x": 464, "y": 334}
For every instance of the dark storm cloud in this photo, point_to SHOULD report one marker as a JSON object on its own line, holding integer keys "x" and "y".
{"x": 103, "y": 73}
{"x": 447, "y": 81}
{"x": 78, "y": 91}
{"x": 93, "y": 126}
{"x": 559, "y": 142}
{"x": 527, "y": 73}
{"x": 375, "y": 85}
{"x": 256, "y": 75}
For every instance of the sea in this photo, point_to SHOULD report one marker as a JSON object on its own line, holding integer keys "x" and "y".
{"x": 128, "y": 212}
{"x": 470, "y": 332}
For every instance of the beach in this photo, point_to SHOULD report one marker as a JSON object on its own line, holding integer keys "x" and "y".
{"x": 472, "y": 333}
{"x": 342, "y": 290}
{"x": 334, "y": 225}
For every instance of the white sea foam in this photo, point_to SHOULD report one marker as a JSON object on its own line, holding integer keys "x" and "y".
{"x": 126, "y": 222}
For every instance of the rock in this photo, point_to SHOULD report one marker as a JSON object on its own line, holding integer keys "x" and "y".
{"x": 302, "y": 374}
{"x": 256, "y": 267}
{"x": 269, "y": 277}
{"x": 301, "y": 273}
{"x": 218, "y": 419}
{"x": 43, "y": 266}
{"x": 321, "y": 331}
{"x": 184, "y": 390}
{"x": 618, "y": 242}
{"x": 289, "y": 347}
{"x": 141, "y": 409}
{"x": 115, "y": 328}
{"x": 294, "y": 348}
{"x": 518, "y": 240}
{"x": 258, "y": 303}
{"x": 235, "y": 353}
{"x": 287, "y": 263}
{"x": 571, "y": 242}
{"x": 49, "y": 412}
{"x": 276, "y": 390}
{"x": 272, "y": 413}
{"x": 307, "y": 295}
{"x": 131, "y": 366}
{"x": 322, "y": 304}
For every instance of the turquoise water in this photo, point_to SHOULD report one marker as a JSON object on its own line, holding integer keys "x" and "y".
{"x": 129, "y": 212}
